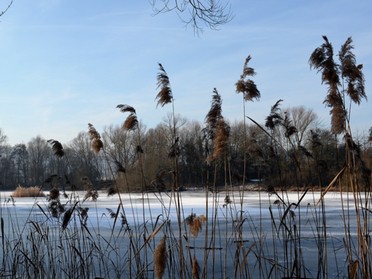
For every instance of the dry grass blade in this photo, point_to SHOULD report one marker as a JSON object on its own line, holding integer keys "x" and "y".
{"x": 195, "y": 268}
{"x": 160, "y": 258}
{"x": 67, "y": 216}
{"x": 263, "y": 130}
{"x": 331, "y": 184}
{"x": 57, "y": 148}
{"x": 165, "y": 94}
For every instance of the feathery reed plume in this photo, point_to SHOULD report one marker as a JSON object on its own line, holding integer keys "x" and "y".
{"x": 83, "y": 211}
{"x": 289, "y": 128}
{"x": 53, "y": 194}
{"x": 165, "y": 94}
{"x": 96, "y": 142}
{"x": 220, "y": 142}
{"x": 195, "y": 268}
{"x": 274, "y": 117}
{"x": 111, "y": 213}
{"x": 111, "y": 191}
{"x": 57, "y": 148}
{"x": 131, "y": 122}
{"x": 352, "y": 73}
{"x": 247, "y": 86}
{"x": 56, "y": 208}
{"x": 214, "y": 112}
{"x": 126, "y": 108}
{"x": 90, "y": 191}
{"x": 195, "y": 223}
{"x": 160, "y": 258}
{"x": 322, "y": 60}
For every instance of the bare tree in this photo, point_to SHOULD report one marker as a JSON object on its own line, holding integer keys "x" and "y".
{"x": 303, "y": 119}
{"x": 197, "y": 13}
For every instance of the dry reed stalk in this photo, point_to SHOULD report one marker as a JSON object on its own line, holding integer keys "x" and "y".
{"x": 160, "y": 258}
{"x": 195, "y": 268}
{"x": 353, "y": 269}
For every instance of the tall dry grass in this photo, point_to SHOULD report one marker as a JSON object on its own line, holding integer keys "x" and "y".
{"x": 33, "y": 191}
{"x": 67, "y": 236}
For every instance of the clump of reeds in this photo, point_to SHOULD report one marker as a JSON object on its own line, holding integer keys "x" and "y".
{"x": 160, "y": 258}
{"x": 34, "y": 191}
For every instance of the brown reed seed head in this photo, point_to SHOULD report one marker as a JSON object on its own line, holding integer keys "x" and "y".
{"x": 164, "y": 95}
{"x": 247, "y": 86}
{"x": 126, "y": 108}
{"x": 221, "y": 139}
{"x": 96, "y": 142}
{"x": 54, "y": 194}
{"x": 57, "y": 148}
{"x": 131, "y": 123}
{"x": 352, "y": 72}
{"x": 215, "y": 111}
{"x": 195, "y": 223}
{"x": 160, "y": 258}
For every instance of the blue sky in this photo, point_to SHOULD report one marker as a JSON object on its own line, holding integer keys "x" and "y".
{"x": 67, "y": 63}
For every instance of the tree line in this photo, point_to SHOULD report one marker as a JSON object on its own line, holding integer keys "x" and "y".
{"x": 289, "y": 149}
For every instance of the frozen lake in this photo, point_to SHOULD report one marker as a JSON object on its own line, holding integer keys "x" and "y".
{"x": 276, "y": 223}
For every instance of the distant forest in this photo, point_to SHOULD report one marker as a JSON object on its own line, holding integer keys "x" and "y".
{"x": 289, "y": 149}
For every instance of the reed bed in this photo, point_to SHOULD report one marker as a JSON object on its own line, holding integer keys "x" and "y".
{"x": 155, "y": 234}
